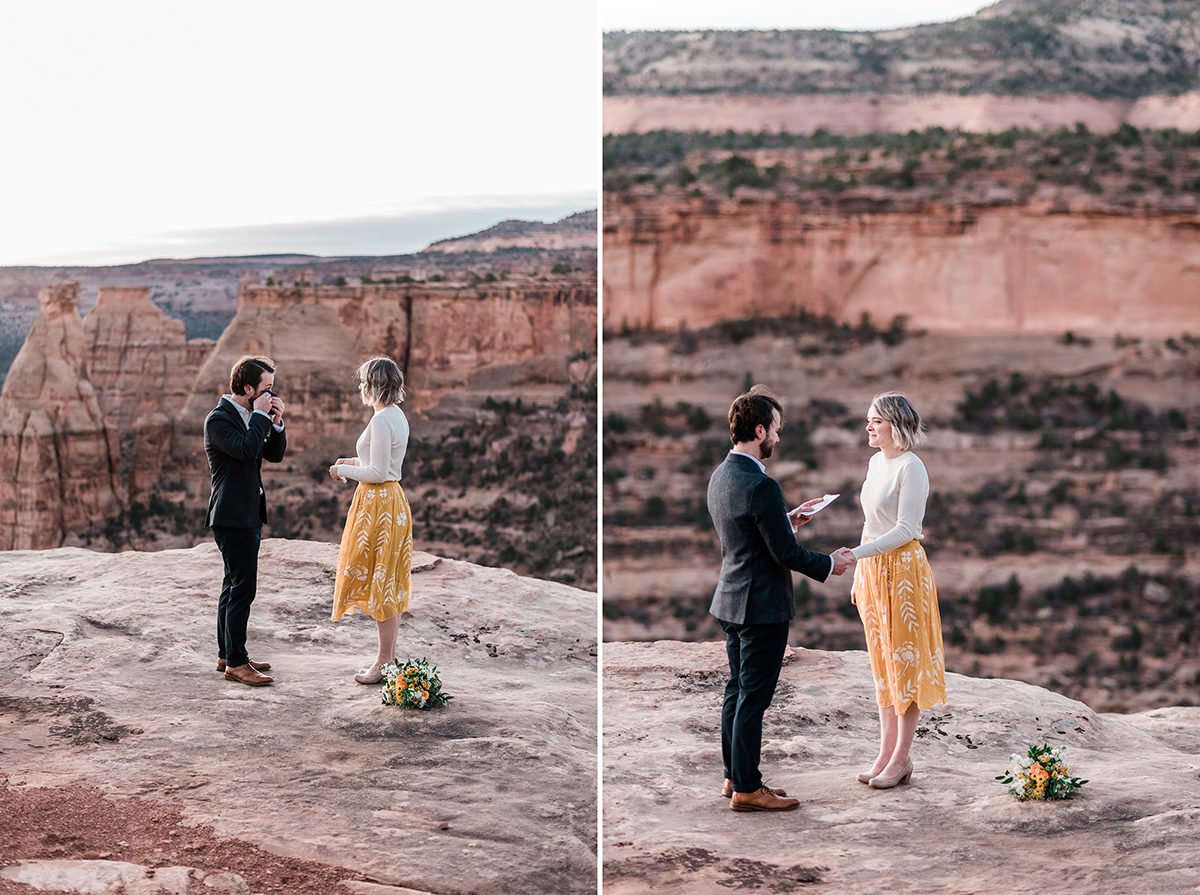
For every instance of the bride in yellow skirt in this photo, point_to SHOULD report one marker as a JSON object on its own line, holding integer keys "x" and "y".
{"x": 894, "y": 588}
{"x": 374, "y": 567}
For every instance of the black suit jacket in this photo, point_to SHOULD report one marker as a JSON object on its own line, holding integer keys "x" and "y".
{"x": 235, "y": 455}
{"x": 758, "y": 547}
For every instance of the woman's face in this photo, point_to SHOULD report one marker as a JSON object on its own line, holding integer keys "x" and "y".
{"x": 362, "y": 392}
{"x": 879, "y": 430}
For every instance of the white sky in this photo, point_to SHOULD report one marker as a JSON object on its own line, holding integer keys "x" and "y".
{"x": 134, "y": 130}
{"x": 846, "y": 15}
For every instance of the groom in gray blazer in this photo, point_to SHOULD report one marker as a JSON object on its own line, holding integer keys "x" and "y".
{"x": 754, "y": 600}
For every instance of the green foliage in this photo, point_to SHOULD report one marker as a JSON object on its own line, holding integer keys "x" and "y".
{"x": 997, "y": 601}
{"x": 945, "y": 163}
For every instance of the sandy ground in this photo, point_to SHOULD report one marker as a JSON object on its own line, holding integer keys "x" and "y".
{"x": 953, "y": 829}
{"x": 117, "y": 728}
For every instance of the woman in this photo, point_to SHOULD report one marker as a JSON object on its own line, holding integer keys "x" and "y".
{"x": 894, "y": 590}
{"x": 374, "y": 568}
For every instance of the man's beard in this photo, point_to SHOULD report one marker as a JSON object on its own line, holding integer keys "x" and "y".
{"x": 765, "y": 449}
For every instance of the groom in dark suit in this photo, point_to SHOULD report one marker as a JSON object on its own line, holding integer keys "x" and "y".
{"x": 245, "y": 428}
{"x": 754, "y": 601}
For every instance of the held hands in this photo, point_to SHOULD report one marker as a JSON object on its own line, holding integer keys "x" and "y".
{"x": 341, "y": 461}
{"x": 843, "y": 559}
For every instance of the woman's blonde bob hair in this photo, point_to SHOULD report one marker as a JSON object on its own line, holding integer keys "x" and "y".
{"x": 381, "y": 382}
{"x": 907, "y": 429}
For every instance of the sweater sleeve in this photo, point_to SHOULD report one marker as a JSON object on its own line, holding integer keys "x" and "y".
{"x": 379, "y": 462}
{"x": 913, "y": 484}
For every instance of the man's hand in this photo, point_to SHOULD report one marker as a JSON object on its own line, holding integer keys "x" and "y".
{"x": 797, "y": 517}
{"x": 276, "y": 410}
{"x": 264, "y": 403}
{"x": 843, "y": 559}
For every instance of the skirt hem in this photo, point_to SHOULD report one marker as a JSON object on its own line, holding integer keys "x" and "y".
{"x": 922, "y": 705}
{"x": 362, "y": 609}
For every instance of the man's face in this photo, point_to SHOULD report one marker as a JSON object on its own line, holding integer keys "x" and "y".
{"x": 771, "y": 437}
{"x": 266, "y": 383}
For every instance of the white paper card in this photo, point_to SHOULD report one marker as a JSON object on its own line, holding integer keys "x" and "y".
{"x": 817, "y": 507}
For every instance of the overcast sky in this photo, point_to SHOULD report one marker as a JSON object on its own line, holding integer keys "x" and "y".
{"x": 136, "y": 130}
{"x": 846, "y": 15}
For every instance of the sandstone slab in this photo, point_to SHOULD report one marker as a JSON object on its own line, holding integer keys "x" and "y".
{"x": 1131, "y": 829}
{"x": 110, "y": 682}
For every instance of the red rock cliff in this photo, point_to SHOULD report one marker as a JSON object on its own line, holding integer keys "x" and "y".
{"x": 98, "y": 414}
{"x": 142, "y": 367}
{"x": 439, "y": 333}
{"x": 676, "y": 261}
{"x": 58, "y": 451}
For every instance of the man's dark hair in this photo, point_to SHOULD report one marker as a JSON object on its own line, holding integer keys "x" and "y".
{"x": 750, "y": 410}
{"x": 248, "y": 371}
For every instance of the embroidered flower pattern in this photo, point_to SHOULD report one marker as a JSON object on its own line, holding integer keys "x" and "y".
{"x": 897, "y": 602}
{"x": 375, "y": 560}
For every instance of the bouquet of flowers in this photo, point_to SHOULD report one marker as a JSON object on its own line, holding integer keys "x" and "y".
{"x": 412, "y": 684}
{"x": 1040, "y": 774}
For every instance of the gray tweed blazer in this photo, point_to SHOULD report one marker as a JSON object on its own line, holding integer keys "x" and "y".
{"x": 758, "y": 548}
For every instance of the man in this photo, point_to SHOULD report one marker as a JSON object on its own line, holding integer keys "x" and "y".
{"x": 754, "y": 600}
{"x": 245, "y": 428}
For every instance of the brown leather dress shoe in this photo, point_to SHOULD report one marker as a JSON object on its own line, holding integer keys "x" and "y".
{"x": 257, "y": 666}
{"x": 245, "y": 674}
{"x": 727, "y": 790}
{"x": 763, "y": 799}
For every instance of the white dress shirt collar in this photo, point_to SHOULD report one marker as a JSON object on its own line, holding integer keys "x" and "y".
{"x": 762, "y": 468}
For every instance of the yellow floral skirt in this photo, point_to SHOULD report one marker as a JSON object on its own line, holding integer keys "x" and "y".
{"x": 897, "y": 602}
{"x": 374, "y": 567}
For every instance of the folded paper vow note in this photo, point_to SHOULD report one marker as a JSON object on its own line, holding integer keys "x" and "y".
{"x": 817, "y": 507}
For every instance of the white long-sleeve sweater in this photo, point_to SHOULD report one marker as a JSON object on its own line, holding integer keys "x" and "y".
{"x": 893, "y": 500}
{"x": 380, "y": 448}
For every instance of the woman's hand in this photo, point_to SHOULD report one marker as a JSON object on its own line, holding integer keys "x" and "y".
{"x": 346, "y": 461}
{"x": 333, "y": 473}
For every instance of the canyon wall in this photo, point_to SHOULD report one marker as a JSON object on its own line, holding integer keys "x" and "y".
{"x": 864, "y": 114}
{"x": 440, "y": 334}
{"x": 142, "y": 368}
{"x": 672, "y": 261}
{"x": 99, "y": 414}
{"x": 59, "y": 455}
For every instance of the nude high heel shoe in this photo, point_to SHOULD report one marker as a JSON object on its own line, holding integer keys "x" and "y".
{"x": 881, "y": 782}
{"x": 370, "y": 675}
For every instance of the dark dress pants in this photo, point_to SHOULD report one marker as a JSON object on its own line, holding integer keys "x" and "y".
{"x": 755, "y": 658}
{"x": 239, "y": 549}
